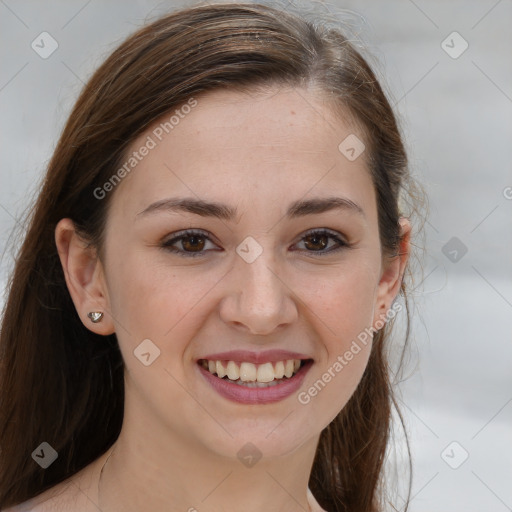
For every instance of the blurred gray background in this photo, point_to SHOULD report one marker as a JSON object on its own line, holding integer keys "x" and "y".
{"x": 453, "y": 94}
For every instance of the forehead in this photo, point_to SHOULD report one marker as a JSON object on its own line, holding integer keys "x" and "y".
{"x": 243, "y": 146}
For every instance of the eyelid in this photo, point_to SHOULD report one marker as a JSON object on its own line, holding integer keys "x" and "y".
{"x": 326, "y": 231}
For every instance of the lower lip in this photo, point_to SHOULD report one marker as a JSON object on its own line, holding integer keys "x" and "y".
{"x": 267, "y": 395}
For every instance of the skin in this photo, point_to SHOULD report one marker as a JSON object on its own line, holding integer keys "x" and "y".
{"x": 256, "y": 152}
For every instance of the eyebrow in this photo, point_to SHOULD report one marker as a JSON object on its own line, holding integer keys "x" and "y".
{"x": 225, "y": 212}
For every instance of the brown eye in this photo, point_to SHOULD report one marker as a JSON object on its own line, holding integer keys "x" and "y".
{"x": 188, "y": 243}
{"x": 320, "y": 242}
{"x": 193, "y": 243}
{"x": 316, "y": 242}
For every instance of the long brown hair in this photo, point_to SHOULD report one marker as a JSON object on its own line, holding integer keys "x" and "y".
{"x": 60, "y": 382}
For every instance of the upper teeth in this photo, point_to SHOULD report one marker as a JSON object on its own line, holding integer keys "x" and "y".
{"x": 249, "y": 372}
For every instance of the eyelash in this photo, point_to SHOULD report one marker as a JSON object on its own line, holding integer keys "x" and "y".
{"x": 167, "y": 245}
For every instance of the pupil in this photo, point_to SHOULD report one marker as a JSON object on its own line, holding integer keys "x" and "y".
{"x": 319, "y": 240}
{"x": 192, "y": 241}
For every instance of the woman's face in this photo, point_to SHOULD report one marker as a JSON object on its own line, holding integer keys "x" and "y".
{"x": 268, "y": 274}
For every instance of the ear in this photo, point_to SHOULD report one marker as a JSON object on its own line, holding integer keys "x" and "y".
{"x": 84, "y": 277}
{"x": 392, "y": 275}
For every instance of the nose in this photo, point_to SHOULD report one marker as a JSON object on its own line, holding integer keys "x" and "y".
{"x": 258, "y": 299}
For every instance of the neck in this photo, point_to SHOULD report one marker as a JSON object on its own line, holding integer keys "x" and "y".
{"x": 168, "y": 471}
{"x": 132, "y": 480}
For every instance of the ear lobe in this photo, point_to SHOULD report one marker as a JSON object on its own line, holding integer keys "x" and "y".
{"x": 83, "y": 272}
{"x": 392, "y": 274}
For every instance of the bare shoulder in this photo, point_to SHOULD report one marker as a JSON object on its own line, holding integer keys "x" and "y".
{"x": 76, "y": 494}
{"x": 313, "y": 504}
{"x": 62, "y": 497}
{"x": 52, "y": 499}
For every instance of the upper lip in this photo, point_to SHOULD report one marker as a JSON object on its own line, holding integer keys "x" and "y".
{"x": 266, "y": 356}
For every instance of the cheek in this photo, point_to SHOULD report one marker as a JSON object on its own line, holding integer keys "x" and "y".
{"x": 342, "y": 310}
{"x": 337, "y": 381}
{"x": 342, "y": 300}
{"x": 153, "y": 301}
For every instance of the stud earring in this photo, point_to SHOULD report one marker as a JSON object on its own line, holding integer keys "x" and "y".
{"x": 95, "y": 316}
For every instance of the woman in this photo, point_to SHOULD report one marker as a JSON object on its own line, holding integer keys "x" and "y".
{"x": 197, "y": 316}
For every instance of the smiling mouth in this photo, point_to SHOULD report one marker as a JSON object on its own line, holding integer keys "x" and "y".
{"x": 254, "y": 375}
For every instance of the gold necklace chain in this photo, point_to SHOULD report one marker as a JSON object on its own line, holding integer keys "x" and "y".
{"x": 101, "y": 475}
